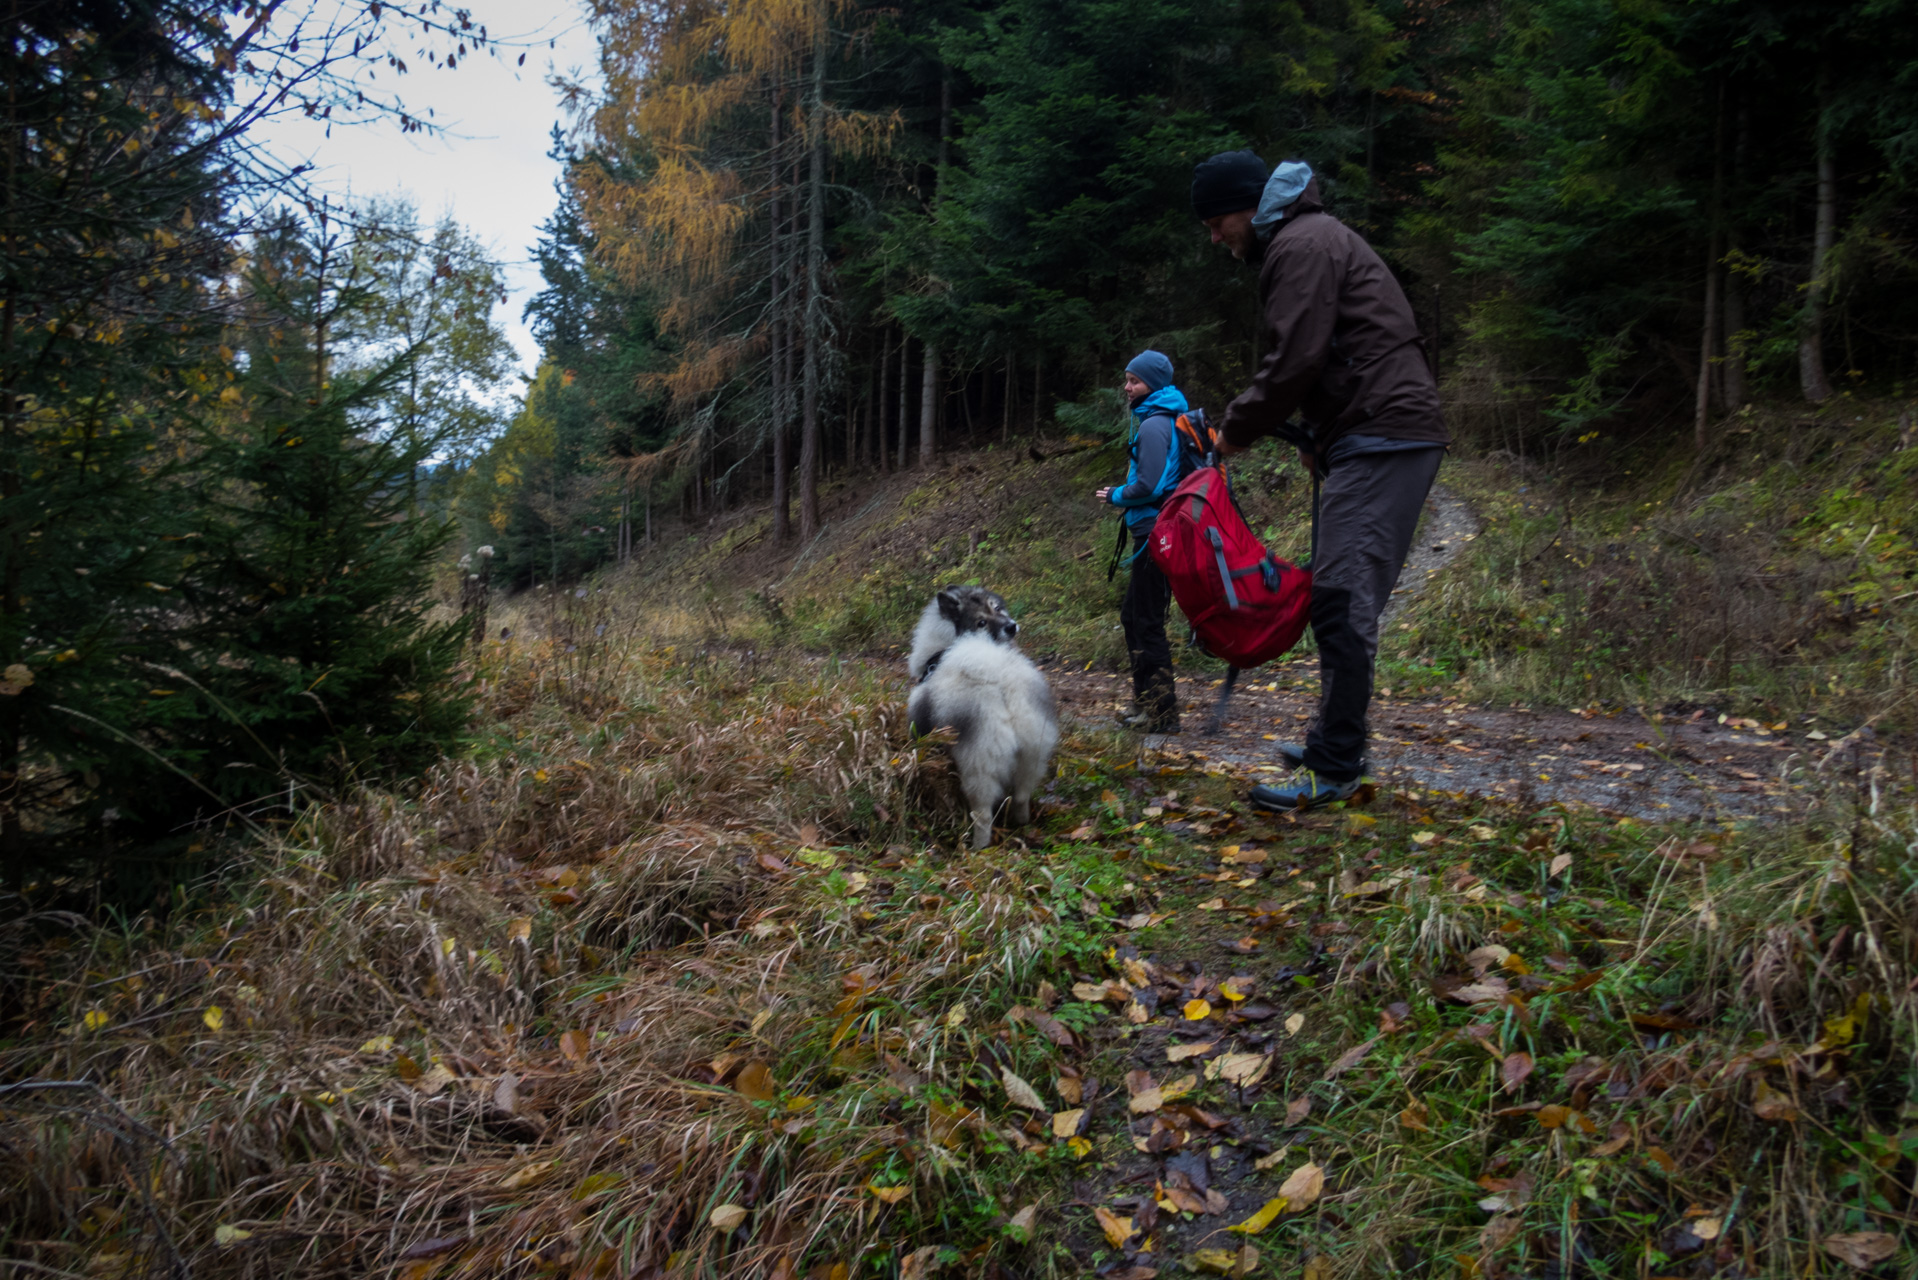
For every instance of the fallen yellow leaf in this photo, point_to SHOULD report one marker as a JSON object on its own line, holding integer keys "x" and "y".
{"x": 1263, "y": 1218}
{"x": 1180, "y": 1052}
{"x": 1225, "y": 1262}
{"x": 527, "y": 1175}
{"x": 889, "y": 1195}
{"x": 727, "y": 1217}
{"x": 1118, "y": 1230}
{"x": 1065, "y": 1124}
{"x": 755, "y": 1081}
{"x": 1294, "y": 1023}
{"x": 378, "y": 1044}
{"x": 1197, "y": 1010}
{"x": 214, "y": 1017}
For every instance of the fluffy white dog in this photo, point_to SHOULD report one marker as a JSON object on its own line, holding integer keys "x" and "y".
{"x": 968, "y": 676}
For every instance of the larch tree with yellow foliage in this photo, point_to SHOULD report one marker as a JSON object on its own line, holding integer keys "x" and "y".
{"x": 705, "y": 181}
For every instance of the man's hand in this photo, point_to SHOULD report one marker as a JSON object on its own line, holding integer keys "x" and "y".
{"x": 1227, "y": 449}
{"x": 1104, "y": 495}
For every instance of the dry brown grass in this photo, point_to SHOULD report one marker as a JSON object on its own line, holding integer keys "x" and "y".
{"x": 494, "y": 1028}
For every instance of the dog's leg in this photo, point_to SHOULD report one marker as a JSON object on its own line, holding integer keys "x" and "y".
{"x": 1216, "y": 723}
{"x": 982, "y": 802}
{"x": 981, "y": 828}
{"x": 1019, "y": 810}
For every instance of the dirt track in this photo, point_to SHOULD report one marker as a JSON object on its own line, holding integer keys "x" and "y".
{"x": 1623, "y": 763}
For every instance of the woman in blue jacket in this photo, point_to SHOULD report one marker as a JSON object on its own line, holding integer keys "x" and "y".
{"x": 1150, "y": 479}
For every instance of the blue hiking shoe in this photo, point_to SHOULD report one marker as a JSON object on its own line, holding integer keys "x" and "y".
{"x": 1309, "y": 791}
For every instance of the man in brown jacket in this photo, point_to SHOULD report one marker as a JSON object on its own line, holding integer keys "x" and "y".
{"x": 1343, "y": 351}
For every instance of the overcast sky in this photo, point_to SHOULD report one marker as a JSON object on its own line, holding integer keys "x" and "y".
{"x": 491, "y": 171}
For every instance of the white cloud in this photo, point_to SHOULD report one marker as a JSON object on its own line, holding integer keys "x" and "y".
{"x": 490, "y": 170}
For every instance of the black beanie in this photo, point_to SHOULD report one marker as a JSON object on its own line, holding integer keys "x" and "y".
{"x": 1227, "y": 183}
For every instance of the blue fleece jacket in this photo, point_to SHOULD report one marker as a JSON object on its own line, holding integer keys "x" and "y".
{"x": 1153, "y": 472}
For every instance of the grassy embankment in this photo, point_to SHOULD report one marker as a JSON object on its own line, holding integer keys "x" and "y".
{"x": 681, "y": 973}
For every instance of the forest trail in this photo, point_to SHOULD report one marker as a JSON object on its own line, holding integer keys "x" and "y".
{"x": 1623, "y": 762}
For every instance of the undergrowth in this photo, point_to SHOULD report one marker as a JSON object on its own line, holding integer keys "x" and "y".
{"x": 1773, "y": 577}
{"x": 671, "y": 979}
{"x": 1515, "y": 1043}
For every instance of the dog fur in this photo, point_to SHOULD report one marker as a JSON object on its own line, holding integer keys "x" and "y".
{"x": 991, "y": 695}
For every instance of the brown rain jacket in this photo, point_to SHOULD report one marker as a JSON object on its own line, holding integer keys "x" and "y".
{"x": 1343, "y": 348}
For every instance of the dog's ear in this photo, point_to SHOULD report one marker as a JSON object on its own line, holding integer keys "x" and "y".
{"x": 951, "y": 606}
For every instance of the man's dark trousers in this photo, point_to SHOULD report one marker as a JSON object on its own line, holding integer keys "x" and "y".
{"x": 1369, "y": 508}
{"x": 1142, "y": 613}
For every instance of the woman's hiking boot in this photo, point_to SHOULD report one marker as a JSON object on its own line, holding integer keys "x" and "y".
{"x": 1142, "y": 721}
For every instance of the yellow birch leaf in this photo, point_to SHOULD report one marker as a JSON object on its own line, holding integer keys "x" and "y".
{"x": 214, "y": 1017}
{"x": 1118, "y": 1230}
{"x": 1178, "y": 1088}
{"x": 889, "y": 1195}
{"x": 1197, "y": 1010}
{"x": 1264, "y": 1218}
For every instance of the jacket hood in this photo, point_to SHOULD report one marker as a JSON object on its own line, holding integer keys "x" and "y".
{"x": 1167, "y": 399}
{"x": 1283, "y": 201}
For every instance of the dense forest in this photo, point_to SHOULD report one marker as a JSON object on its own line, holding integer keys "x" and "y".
{"x": 795, "y": 238}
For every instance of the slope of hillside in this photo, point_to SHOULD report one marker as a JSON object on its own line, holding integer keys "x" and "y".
{"x": 683, "y": 970}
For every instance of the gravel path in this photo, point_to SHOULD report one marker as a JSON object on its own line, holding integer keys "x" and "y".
{"x": 1623, "y": 763}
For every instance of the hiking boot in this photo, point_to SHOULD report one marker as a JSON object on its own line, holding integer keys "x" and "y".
{"x": 1310, "y": 792}
{"x": 1146, "y": 722}
{"x": 1292, "y": 756}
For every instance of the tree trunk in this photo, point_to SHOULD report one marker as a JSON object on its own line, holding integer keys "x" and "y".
{"x": 905, "y": 391}
{"x": 881, "y": 439}
{"x": 1812, "y": 381}
{"x": 1005, "y": 427}
{"x": 1714, "y": 272}
{"x": 869, "y": 412}
{"x": 1038, "y": 387}
{"x": 782, "y": 506}
{"x": 815, "y": 292}
{"x": 929, "y": 407}
{"x": 1732, "y": 371}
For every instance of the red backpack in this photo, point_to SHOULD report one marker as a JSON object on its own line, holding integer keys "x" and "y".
{"x": 1246, "y": 606}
